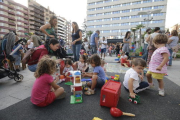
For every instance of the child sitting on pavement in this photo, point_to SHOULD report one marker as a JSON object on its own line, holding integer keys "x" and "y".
{"x": 98, "y": 75}
{"x": 82, "y": 64}
{"x": 68, "y": 67}
{"x": 131, "y": 79}
{"x": 45, "y": 90}
{"x": 158, "y": 62}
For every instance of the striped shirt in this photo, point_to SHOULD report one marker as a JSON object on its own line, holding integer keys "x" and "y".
{"x": 156, "y": 60}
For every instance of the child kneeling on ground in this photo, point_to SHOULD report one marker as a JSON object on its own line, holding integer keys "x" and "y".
{"x": 131, "y": 78}
{"x": 98, "y": 75}
{"x": 45, "y": 90}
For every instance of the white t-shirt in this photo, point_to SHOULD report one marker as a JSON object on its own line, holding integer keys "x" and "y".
{"x": 30, "y": 45}
{"x": 103, "y": 45}
{"x": 145, "y": 37}
{"x": 131, "y": 73}
{"x": 124, "y": 56}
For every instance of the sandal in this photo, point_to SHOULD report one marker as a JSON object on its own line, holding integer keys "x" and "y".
{"x": 90, "y": 92}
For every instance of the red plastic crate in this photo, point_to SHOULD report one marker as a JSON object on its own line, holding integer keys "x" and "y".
{"x": 110, "y": 94}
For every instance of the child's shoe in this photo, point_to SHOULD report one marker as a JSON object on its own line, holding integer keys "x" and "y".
{"x": 161, "y": 92}
{"x": 151, "y": 85}
{"x": 84, "y": 83}
{"x": 90, "y": 92}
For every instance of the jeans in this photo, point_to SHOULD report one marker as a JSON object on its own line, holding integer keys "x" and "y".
{"x": 170, "y": 57}
{"x": 142, "y": 86}
{"x": 93, "y": 49}
{"x": 145, "y": 52}
{"x": 32, "y": 68}
{"x": 76, "y": 51}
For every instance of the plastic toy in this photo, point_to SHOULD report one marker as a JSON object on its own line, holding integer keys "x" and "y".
{"x": 96, "y": 118}
{"x": 118, "y": 57}
{"x": 135, "y": 100}
{"x": 140, "y": 53}
{"x": 110, "y": 93}
{"x": 76, "y": 88}
{"x": 116, "y": 77}
{"x": 133, "y": 47}
{"x": 88, "y": 79}
{"x": 125, "y": 62}
{"x": 115, "y": 112}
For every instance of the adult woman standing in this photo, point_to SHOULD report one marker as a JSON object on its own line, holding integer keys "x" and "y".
{"x": 127, "y": 43}
{"x": 76, "y": 40}
{"x": 172, "y": 42}
{"x": 49, "y": 29}
{"x": 48, "y": 49}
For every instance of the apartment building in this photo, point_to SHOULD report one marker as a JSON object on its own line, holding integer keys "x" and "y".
{"x": 64, "y": 29}
{"x": 13, "y": 17}
{"x": 115, "y": 17}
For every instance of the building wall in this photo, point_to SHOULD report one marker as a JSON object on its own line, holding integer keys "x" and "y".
{"x": 13, "y": 17}
{"x": 115, "y": 17}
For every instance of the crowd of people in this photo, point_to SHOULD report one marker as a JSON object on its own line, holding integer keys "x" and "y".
{"x": 158, "y": 50}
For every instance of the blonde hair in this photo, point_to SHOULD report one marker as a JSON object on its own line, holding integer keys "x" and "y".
{"x": 103, "y": 62}
{"x": 35, "y": 40}
{"x": 160, "y": 39}
{"x": 45, "y": 65}
{"x": 76, "y": 27}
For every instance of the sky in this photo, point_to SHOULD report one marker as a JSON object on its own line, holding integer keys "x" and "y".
{"x": 71, "y": 10}
{"x": 75, "y": 10}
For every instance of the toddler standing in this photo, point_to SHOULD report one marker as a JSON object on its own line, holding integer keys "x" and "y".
{"x": 158, "y": 62}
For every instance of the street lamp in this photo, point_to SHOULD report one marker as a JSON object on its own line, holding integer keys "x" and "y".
{"x": 149, "y": 13}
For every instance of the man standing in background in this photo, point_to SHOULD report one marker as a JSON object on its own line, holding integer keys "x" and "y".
{"x": 94, "y": 42}
{"x": 103, "y": 47}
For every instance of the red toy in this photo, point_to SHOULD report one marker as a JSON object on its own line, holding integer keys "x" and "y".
{"x": 110, "y": 93}
{"x": 115, "y": 112}
{"x": 62, "y": 65}
{"x": 125, "y": 62}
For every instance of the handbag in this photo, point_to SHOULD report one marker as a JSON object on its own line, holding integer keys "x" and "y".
{"x": 28, "y": 54}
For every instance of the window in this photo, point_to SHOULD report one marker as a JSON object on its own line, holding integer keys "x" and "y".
{"x": 136, "y": 9}
{"x": 115, "y": 0}
{"x": 93, "y": 9}
{"x": 158, "y": 14}
{"x": 99, "y": 8}
{"x": 135, "y": 16}
{"x": 125, "y": 4}
{"x": 115, "y": 24}
{"x": 135, "y": 3}
{"x": 158, "y": 0}
{"x": 145, "y": 22}
{"x": 116, "y": 18}
{"x": 115, "y": 31}
{"x": 100, "y": 2}
{"x": 107, "y": 19}
{"x": 98, "y": 26}
{"x": 107, "y": 1}
{"x": 90, "y": 27}
{"x": 91, "y": 15}
{"x": 107, "y": 13}
{"x": 99, "y": 20}
{"x": 159, "y": 7}
{"x": 124, "y": 30}
{"x": 158, "y": 21}
{"x": 106, "y": 31}
{"x": 147, "y": 8}
{"x": 115, "y": 12}
{"x": 114, "y": 6}
{"x": 125, "y": 11}
{"x": 107, "y": 25}
{"x": 107, "y": 7}
{"x": 124, "y": 24}
{"x": 147, "y": 1}
{"x": 91, "y": 4}
{"x": 135, "y": 23}
{"x": 90, "y": 21}
{"x": 144, "y": 15}
{"x": 125, "y": 17}
{"x": 99, "y": 14}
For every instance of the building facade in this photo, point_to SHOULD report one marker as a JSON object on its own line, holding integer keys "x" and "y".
{"x": 115, "y": 17}
{"x": 13, "y": 17}
{"x": 68, "y": 32}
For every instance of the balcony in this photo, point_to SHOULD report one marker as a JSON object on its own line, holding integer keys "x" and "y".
{"x": 9, "y": 17}
{"x": 9, "y": 28}
{"x": 31, "y": 18}
{"x": 23, "y": 31}
{"x": 25, "y": 12}
{"x": 8, "y": 11}
{"x": 9, "y": 6}
{"x": 23, "y": 21}
{"x": 32, "y": 27}
{"x": 36, "y": 24}
{"x": 23, "y": 26}
{"x": 25, "y": 17}
{"x": 8, "y": 22}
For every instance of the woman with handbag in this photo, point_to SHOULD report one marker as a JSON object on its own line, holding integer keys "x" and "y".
{"x": 48, "y": 49}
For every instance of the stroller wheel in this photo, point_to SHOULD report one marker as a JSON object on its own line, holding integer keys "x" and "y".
{"x": 11, "y": 75}
{"x": 18, "y": 78}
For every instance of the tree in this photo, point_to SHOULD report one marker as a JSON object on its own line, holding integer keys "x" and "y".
{"x": 134, "y": 31}
{"x": 140, "y": 27}
{"x": 89, "y": 33}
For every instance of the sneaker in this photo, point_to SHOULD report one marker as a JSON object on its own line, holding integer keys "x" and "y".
{"x": 62, "y": 96}
{"x": 90, "y": 92}
{"x": 151, "y": 85}
{"x": 161, "y": 92}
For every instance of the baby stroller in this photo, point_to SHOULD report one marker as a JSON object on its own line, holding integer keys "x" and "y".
{"x": 6, "y": 56}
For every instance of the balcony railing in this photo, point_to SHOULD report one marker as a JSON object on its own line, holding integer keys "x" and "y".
{"x": 25, "y": 12}
{"x": 7, "y": 17}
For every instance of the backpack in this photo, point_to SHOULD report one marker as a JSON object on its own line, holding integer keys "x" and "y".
{"x": 28, "y": 54}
